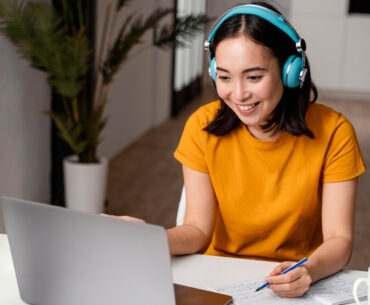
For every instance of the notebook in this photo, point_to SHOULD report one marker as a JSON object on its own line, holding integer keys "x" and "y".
{"x": 65, "y": 257}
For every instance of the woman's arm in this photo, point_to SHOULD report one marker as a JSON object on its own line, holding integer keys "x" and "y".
{"x": 338, "y": 208}
{"x": 196, "y": 232}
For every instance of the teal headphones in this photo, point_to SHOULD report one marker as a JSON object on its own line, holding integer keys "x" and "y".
{"x": 294, "y": 70}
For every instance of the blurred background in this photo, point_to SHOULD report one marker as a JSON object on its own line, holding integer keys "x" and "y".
{"x": 154, "y": 93}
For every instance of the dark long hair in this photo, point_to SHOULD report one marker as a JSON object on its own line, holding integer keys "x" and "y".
{"x": 290, "y": 113}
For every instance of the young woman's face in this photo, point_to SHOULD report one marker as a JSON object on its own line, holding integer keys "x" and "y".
{"x": 248, "y": 80}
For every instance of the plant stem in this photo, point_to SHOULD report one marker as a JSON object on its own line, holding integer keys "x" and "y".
{"x": 75, "y": 109}
{"x": 66, "y": 108}
{"x": 105, "y": 95}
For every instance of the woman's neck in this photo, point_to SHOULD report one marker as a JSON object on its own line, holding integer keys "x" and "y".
{"x": 263, "y": 135}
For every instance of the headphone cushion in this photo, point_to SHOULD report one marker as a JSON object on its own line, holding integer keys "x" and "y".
{"x": 291, "y": 71}
{"x": 212, "y": 69}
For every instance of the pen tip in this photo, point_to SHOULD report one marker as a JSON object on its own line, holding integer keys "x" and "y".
{"x": 258, "y": 289}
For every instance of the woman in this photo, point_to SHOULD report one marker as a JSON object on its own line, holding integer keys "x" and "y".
{"x": 268, "y": 173}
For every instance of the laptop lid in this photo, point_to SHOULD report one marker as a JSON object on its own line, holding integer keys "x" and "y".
{"x": 65, "y": 257}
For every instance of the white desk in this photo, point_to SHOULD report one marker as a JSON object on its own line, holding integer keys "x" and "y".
{"x": 9, "y": 294}
{"x": 202, "y": 271}
{"x": 199, "y": 271}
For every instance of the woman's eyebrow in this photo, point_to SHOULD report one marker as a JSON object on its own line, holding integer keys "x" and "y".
{"x": 244, "y": 71}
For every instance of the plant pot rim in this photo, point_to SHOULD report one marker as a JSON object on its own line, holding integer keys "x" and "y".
{"x": 74, "y": 160}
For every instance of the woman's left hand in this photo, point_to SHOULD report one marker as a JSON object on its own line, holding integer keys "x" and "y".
{"x": 125, "y": 217}
{"x": 291, "y": 284}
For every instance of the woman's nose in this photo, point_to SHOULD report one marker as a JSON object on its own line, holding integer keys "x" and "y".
{"x": 241, "y": 92}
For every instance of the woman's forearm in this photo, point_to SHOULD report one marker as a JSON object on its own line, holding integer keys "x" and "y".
{"x": 186, "y": 239}
{"x": 338, "y": 205}
{"x": 330, "y": 257}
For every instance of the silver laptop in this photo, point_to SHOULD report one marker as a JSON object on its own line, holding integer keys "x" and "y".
{"x": 65, "y": 257}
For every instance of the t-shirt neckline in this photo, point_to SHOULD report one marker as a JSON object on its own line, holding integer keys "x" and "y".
{"x": 265, "y": 145}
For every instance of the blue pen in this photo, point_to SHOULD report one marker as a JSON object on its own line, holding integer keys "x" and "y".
{"x": 285, "y": 271}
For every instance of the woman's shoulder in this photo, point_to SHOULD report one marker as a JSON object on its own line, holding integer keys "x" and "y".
{"x": 205, "y": 114}
{"x": 322, "y": 119}
{"x": 319, "y": 113}
{"x": 322, "y": 110}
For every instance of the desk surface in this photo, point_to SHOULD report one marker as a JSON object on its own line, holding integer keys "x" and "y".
{"x": 199, "y": 271}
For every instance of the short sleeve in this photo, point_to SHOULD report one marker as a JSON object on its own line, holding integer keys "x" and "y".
{"x": 343, "y": 160}
{"x": 191, "y": 149}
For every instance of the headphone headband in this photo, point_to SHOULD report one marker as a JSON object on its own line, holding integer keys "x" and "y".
{"x": 260, "y": 11}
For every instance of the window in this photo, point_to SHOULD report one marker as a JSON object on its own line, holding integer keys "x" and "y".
{"x": 188, "y": 60}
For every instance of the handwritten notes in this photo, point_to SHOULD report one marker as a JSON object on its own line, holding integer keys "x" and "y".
{"x": 336, "y": 289}
{"x": 244, "y": 293}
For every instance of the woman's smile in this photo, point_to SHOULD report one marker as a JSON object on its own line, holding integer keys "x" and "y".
{"x": 247, "y": 109}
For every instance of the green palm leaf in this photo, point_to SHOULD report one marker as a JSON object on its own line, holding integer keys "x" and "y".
{"x": 37, "y": 33}
{"x": 185, "y": 28}
{"x": 125, "y": 41}
{"x": 70, "y": 64}
{"x": 69, "y": 132}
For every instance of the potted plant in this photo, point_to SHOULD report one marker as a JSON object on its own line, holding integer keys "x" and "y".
{"x": 57, "y": 43}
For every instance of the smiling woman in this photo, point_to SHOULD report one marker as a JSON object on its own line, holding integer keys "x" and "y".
{"x": 269, "y": 174}
{"x": 273, "y": 45}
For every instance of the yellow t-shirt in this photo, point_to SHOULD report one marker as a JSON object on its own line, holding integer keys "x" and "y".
{"x": 269, "y": 192}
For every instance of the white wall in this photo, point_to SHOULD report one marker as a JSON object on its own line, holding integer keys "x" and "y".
{"x": 337, "y": 44}
{"x": 140, "y": 96}
{"x": 356, "y": 70}
{"x": 24, "y": 129}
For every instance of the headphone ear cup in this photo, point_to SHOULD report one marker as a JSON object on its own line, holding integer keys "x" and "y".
{"x": 291, "y": 71}
{"x": 212, "y": 69}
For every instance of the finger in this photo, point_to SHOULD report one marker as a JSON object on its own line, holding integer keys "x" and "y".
{"x": 130, "y": 218}
{"x": 281, "y": 267}
{"x": 285, "y": 287}
{"x": 291, "y": 276}
{"x": 292, "y": 294}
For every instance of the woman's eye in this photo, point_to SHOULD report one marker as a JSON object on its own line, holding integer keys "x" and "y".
{"x": 255, "y": 77}
{"x": 223, "y": 77}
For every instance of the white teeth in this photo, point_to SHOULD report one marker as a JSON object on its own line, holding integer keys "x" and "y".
{"x": 247, "y": 107}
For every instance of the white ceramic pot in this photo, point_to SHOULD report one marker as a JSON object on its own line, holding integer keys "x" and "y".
{"x": 85, "y": 184}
